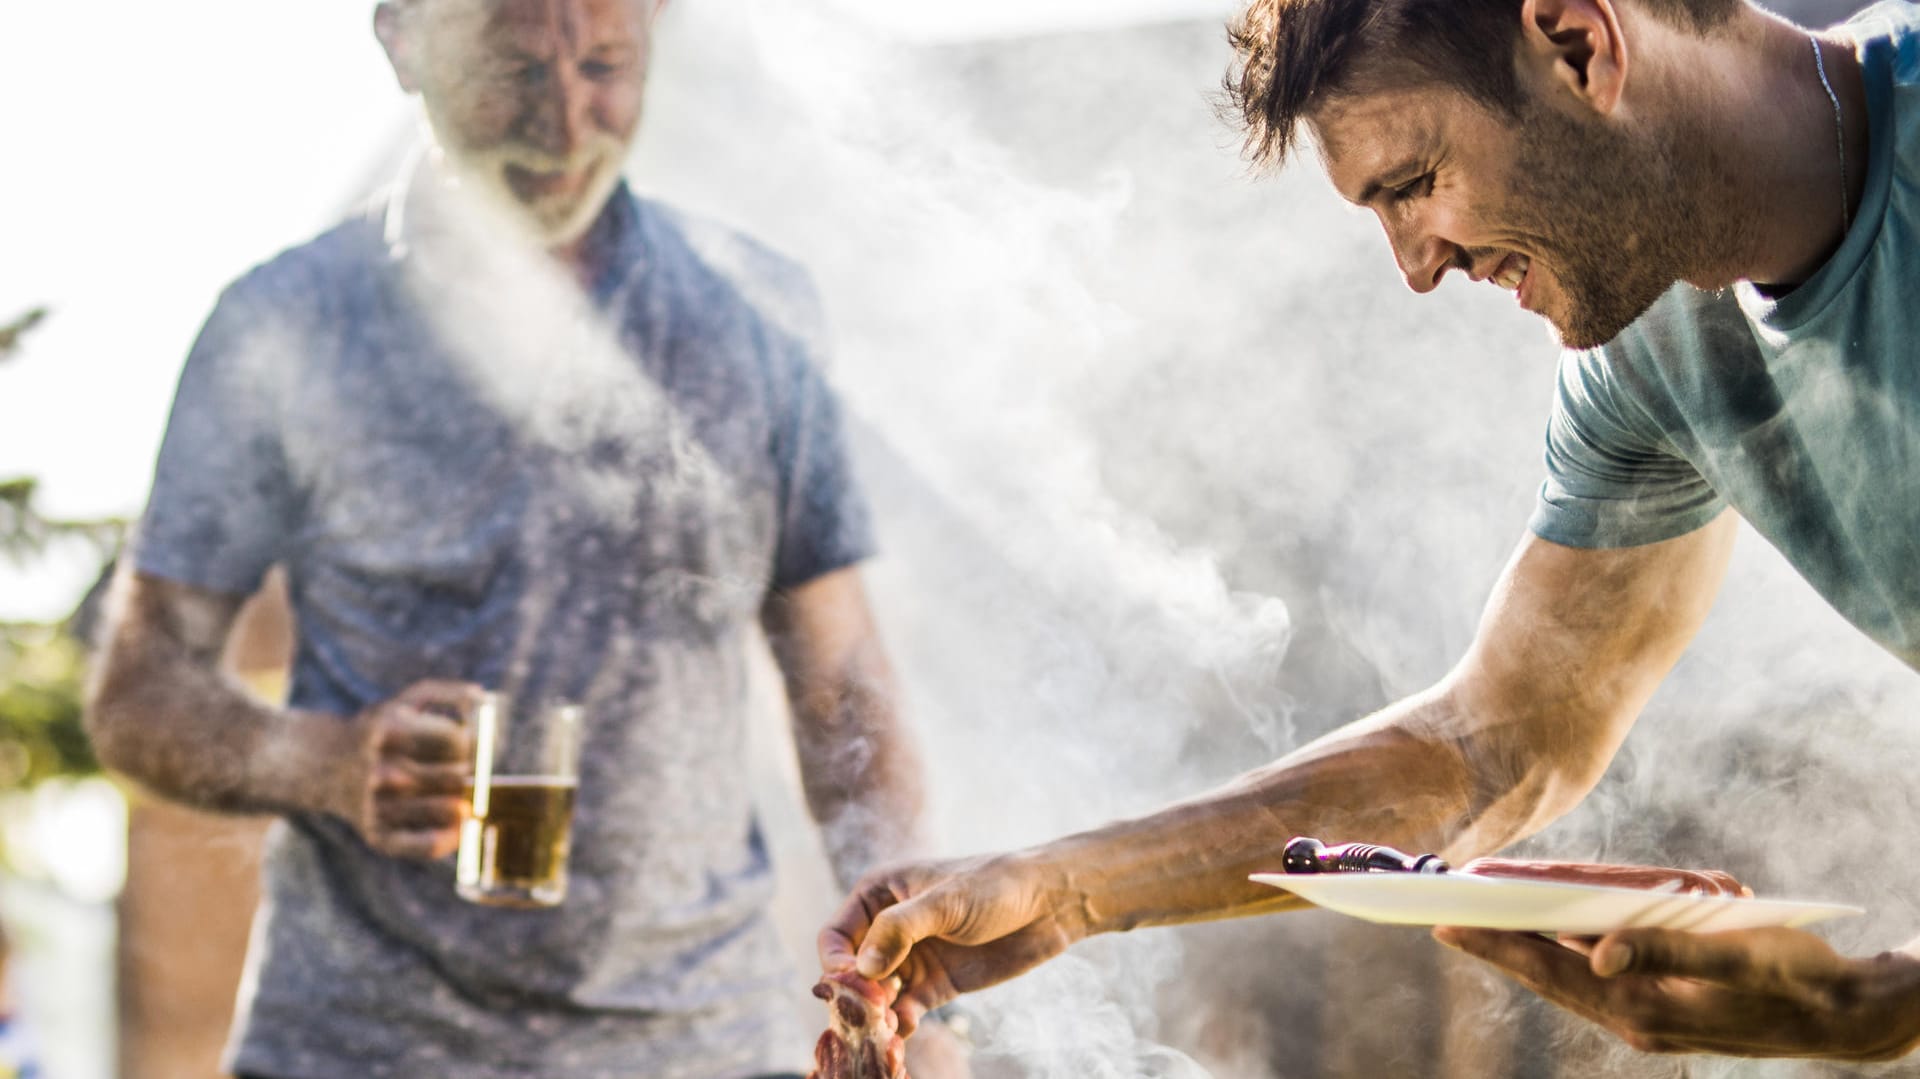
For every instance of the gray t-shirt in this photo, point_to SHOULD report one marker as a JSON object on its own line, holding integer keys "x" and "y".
{"x": 1802, "y": 413}
{"x": 469, "y": 472}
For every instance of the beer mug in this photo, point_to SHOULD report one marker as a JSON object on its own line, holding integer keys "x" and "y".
{"x": 525, "y": 770}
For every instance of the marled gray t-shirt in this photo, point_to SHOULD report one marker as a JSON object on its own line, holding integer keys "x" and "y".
{"x": 473, "y": 473}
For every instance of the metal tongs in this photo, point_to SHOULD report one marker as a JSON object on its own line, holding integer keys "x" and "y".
{"x": 1304, "y": 854}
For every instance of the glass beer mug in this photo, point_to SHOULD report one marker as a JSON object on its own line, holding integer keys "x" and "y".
{"x": 525, "y": 771}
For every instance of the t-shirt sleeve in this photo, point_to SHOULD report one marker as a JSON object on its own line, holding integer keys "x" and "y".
{"x": 1614, "y": 478}
{"x": 825, "y": 524}
{"x": 222, "y": 502}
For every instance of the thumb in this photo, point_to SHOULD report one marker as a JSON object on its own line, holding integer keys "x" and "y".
{"x": 898, "y": 928}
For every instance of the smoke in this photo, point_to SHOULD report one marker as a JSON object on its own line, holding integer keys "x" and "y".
{"x": 1172, "y": 476}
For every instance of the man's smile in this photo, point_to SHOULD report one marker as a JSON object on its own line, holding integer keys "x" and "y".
{"x": 1511, "y": 271}
{"x": 530, "y": 184}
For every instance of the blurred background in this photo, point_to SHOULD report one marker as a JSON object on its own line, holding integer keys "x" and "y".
{"x": 1173, "y": 474}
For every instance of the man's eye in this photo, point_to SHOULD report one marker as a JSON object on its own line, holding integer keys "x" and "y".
{"x": 525, "y": 74}
{"x": 601, "y": 69}
{"x": 1414, "y": 188}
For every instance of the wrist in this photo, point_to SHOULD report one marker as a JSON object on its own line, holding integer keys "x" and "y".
{"x": 312, "y": 762}
{"x": 1062, "y": 886}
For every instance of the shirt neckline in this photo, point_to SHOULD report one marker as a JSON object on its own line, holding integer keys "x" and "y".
{"x": 1794, "y": 309}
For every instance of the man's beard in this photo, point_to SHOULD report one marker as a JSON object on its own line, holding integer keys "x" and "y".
{"x": 1611, "y": 219}
{"x": 553, "y": 220}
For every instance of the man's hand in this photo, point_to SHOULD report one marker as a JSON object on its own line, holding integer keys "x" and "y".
{"x": 406, "y": 792}
{"x": 1756, "y": 993}
{"x": 948, "y": 928}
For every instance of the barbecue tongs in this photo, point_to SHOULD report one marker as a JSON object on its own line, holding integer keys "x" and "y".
{"x": 1307, "y": 855}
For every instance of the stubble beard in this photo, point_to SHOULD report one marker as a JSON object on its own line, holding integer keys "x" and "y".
{"x": 1613, "y": 220}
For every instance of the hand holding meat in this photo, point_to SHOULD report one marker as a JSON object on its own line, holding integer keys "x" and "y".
{"x": 862, "y": 1039}
{"x": 946, "y": 928}
{"x": 405, "y": 790}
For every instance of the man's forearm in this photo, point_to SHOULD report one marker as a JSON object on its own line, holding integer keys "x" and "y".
{"x": 160, "y": 712}
{"x": 1402, "y": 777}
{"x": 863, "y": 780}
{"x": 211, "y": 746}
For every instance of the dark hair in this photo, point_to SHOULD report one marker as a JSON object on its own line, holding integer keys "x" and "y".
{"x": 1290, "y": 55}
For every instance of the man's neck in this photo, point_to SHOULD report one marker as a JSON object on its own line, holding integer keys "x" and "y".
{"x": 1770, "y": 148}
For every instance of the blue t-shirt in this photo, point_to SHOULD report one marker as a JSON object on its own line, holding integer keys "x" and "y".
{"x": 472, "y": 469}
{"x": 1802, "y": 412}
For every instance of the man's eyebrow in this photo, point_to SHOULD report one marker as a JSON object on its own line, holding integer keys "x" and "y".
{"x": 1373, "y": 188}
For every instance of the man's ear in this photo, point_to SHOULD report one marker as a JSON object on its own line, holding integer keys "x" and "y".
{"x": 1575, "y": 45}
{"x": 394, "y": 29}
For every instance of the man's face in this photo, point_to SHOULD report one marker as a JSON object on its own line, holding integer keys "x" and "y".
{"x": 1573, "y": 216}
{"x": 536, "y": 101}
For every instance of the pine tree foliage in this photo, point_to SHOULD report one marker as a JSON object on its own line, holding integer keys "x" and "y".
{"x": 42, "y": 666}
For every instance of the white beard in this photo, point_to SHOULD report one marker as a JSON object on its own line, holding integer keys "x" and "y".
{"x": 550, "y": 221}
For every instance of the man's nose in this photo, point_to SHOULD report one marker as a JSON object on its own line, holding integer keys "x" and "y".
{"x": 557, "y": 115}
{"x": 1423, "y": 257}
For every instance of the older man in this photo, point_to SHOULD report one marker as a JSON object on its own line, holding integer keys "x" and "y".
{"x": 512, "y": 428}
{"x": 1716, "y": 211}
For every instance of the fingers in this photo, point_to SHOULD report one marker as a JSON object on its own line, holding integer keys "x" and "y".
{"x": 408, "y": 779}
{"x": 409, "y": 733}
{"x": 836, "y": 950}
{"x": 416, "y": 815}
{"x": 1535, "y": 961}
{"x": 446, "y": 698}
{"x": 839, "y": 941}
{"x": 877, "y": 926}
{"x": 895, "y": 930}
{"x": 421, "y": 845}
{"x": 417, "y": 794}
{"x": 421, "y": 814}
{"x": 909, "y": 1010}
{"x": 1772, "y": 960}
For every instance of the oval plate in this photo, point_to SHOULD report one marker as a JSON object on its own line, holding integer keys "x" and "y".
{"x": 1538, "y": 906}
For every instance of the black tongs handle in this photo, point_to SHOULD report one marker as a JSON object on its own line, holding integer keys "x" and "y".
{"x": 1307, "y": 855}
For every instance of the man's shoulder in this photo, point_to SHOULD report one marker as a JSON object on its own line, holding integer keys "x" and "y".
{"x": 1659, "y": 362}
{"x": 715, "y": 260}
{"x": 308, "y": 274}
{"x": 1898, "y": 23}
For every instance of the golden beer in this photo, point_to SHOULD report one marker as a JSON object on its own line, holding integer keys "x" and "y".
{"x": 513, "y": 849}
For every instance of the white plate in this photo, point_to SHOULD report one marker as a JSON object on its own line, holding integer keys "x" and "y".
{"x": 1539, "y": 906}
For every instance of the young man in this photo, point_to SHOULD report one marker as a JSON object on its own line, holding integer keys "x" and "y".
{"x": 1715, "y": 210}
{"x": 514, "y": 429}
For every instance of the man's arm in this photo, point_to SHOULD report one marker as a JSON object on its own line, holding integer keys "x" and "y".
{"x": 1570, "y": 647}
{"x": 160, "y": 711}
{"x": 858, "y": 763}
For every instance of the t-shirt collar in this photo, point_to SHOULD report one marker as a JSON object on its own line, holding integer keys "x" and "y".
{"x": 413, "y": 219}
{"x": 1786, "y": 313}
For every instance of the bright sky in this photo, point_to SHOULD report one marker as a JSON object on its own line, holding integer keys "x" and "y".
{"x": 156, "y": 162}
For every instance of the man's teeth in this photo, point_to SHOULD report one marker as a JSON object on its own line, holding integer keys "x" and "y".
{"x": 1511, "y": 272}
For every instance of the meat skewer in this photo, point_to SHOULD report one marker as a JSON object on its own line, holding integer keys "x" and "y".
{"x": 862, "y": 1039}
